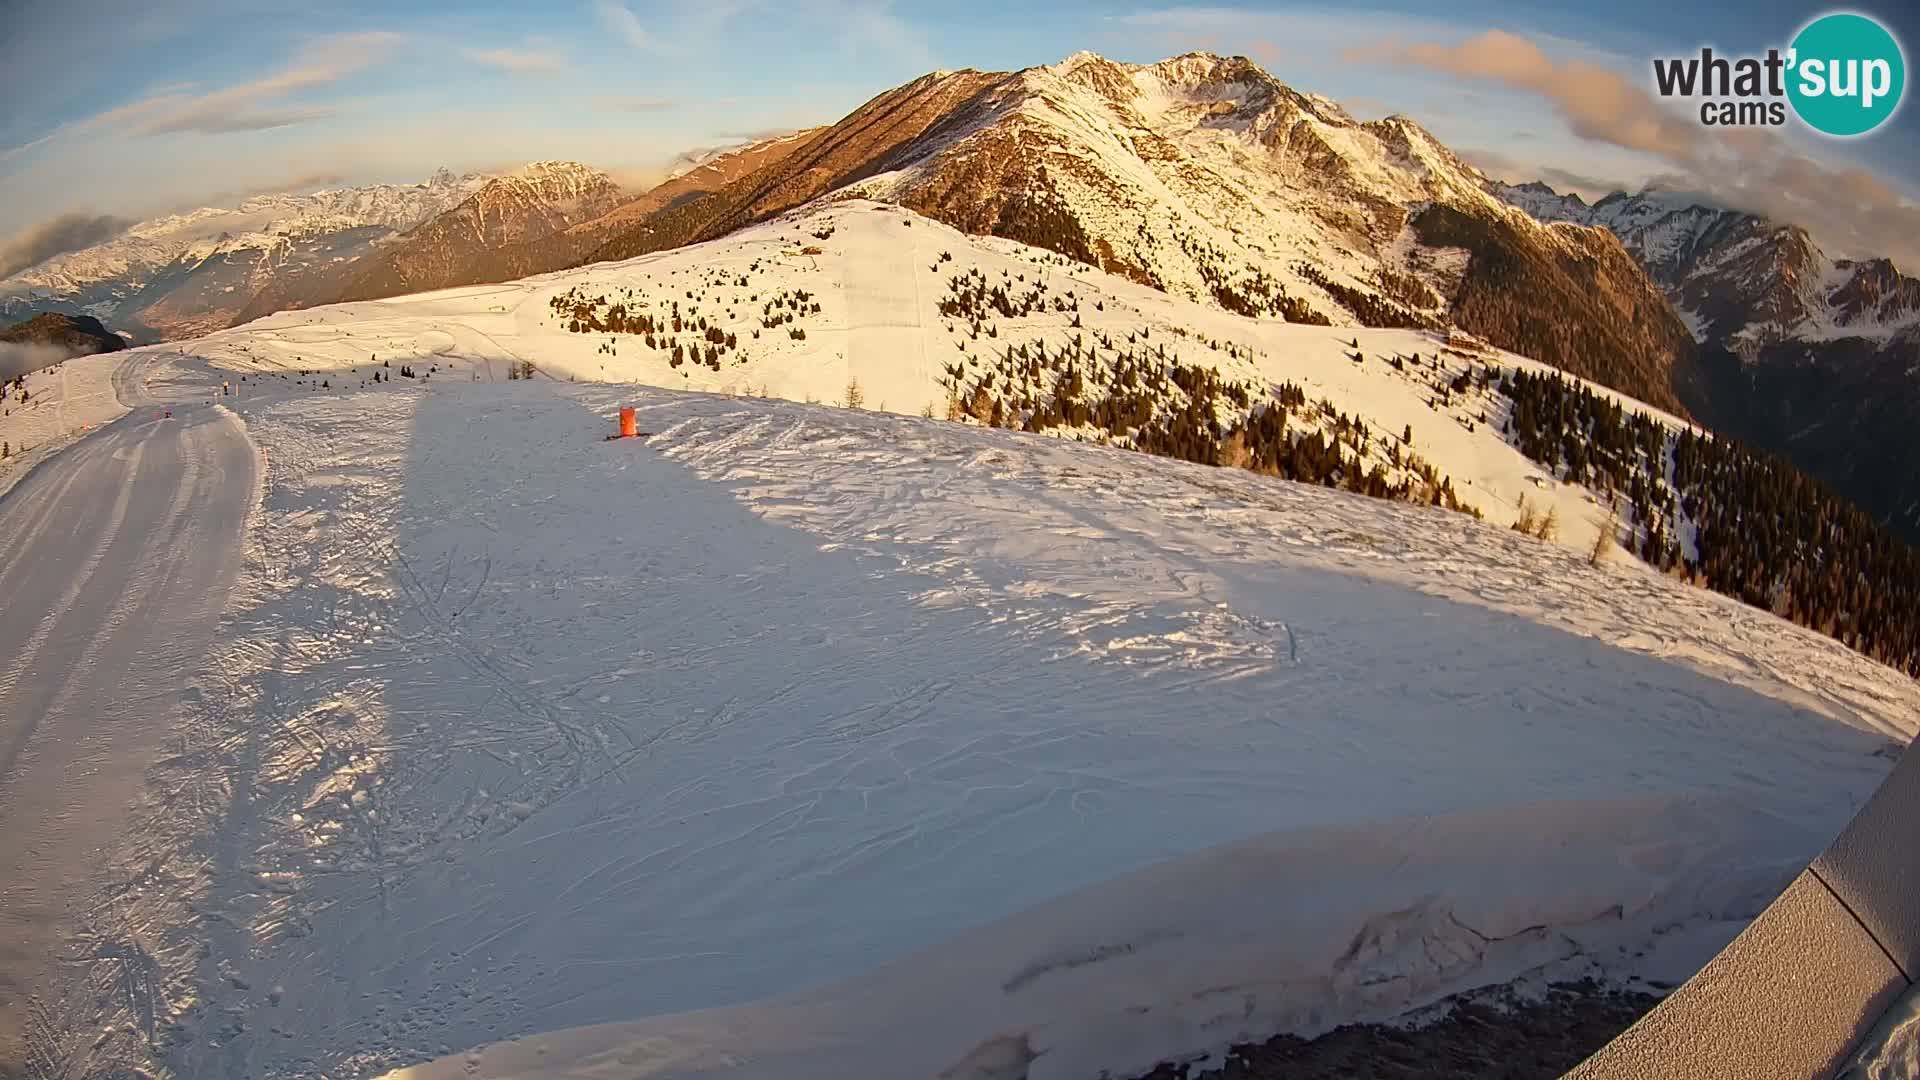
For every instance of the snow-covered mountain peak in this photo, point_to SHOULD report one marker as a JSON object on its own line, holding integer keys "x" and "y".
{"x": 1204, "y": 69}
{"x": 566, "y": 185}
{"x": 557, "y": 173}
{"x": 1065, "y": 69}
{"x": 1208, "y": 178}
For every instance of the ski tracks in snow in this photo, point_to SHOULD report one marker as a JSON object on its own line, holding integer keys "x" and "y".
{"x": 516, "y": 729}
{"x": 124, "y": 549}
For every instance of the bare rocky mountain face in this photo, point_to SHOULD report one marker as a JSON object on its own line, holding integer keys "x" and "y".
{"x": 1810, "y": 356}
{"x": 187, "y": 274}
{"x": 1206, "y": 177}
{"x": 703, "y": 176}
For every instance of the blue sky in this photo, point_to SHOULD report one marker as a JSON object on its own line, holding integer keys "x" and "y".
{"x": 132, "y": 108}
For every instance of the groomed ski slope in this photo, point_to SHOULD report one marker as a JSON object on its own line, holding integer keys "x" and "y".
{"x": 854, "y": 727}
{"x": 117, "y": 555}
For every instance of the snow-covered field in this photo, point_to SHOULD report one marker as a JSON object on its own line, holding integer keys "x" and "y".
{"x": 869, "y": 719}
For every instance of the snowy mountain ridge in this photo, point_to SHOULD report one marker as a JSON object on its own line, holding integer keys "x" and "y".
{"x": 1218, "y": 157}
{"x": 1737, "y": 278}
{"x": 710, "y": 157}
{"x": 1207, "y": 178}
{"x": 259, "y": 221}
{"x": 569, "y": 191}
{"x": 134, "y": 282}
{"x": 505, "y": 214}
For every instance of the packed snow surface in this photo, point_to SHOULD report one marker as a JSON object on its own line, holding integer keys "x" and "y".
{"x": 794, "y": 740}
{"x": 527, "y": 730}
{"x": 117, "y": 556}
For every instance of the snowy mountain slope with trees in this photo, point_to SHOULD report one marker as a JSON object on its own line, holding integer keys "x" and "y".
{"x": 1207, "y": 178}
{"x": 858, "y": 298}
{"x": 533, "y": 730}
{"x": 863, "y": 293}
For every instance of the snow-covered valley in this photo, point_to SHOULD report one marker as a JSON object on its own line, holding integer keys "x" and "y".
{"x": 800, "y": 740}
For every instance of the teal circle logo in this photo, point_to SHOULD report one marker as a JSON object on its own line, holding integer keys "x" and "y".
{"x": 1847, "y": 76}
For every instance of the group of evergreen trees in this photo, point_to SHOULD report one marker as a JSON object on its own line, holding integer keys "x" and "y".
{"x": 1144, "y": 396}
{"x": 782, "y": 308}
{"x": 706, "y": 342}
{"x": 972, "y": 297}
{"x": 1250, "y": 291}
{"x": 1037, "y": 216}
{"x": 1370, "y": 308}
{"x": 1763, "y": 532}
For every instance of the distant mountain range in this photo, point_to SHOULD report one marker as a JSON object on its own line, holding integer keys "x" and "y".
{"x": 1813, "y": 357}
{"x": 552, "y": 216}
{"x": 187, "y": 274}
{"x": 1738, "y": 279}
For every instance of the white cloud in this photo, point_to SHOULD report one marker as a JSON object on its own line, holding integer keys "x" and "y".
{"x": 532, "y": 58}
{"x": 620, "y": 21}
{"x": 1848, "y": 209}
{"x": 255, "y": 105}
{"x": 55, "y": 236}
{"x": 1596, "y": 103}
